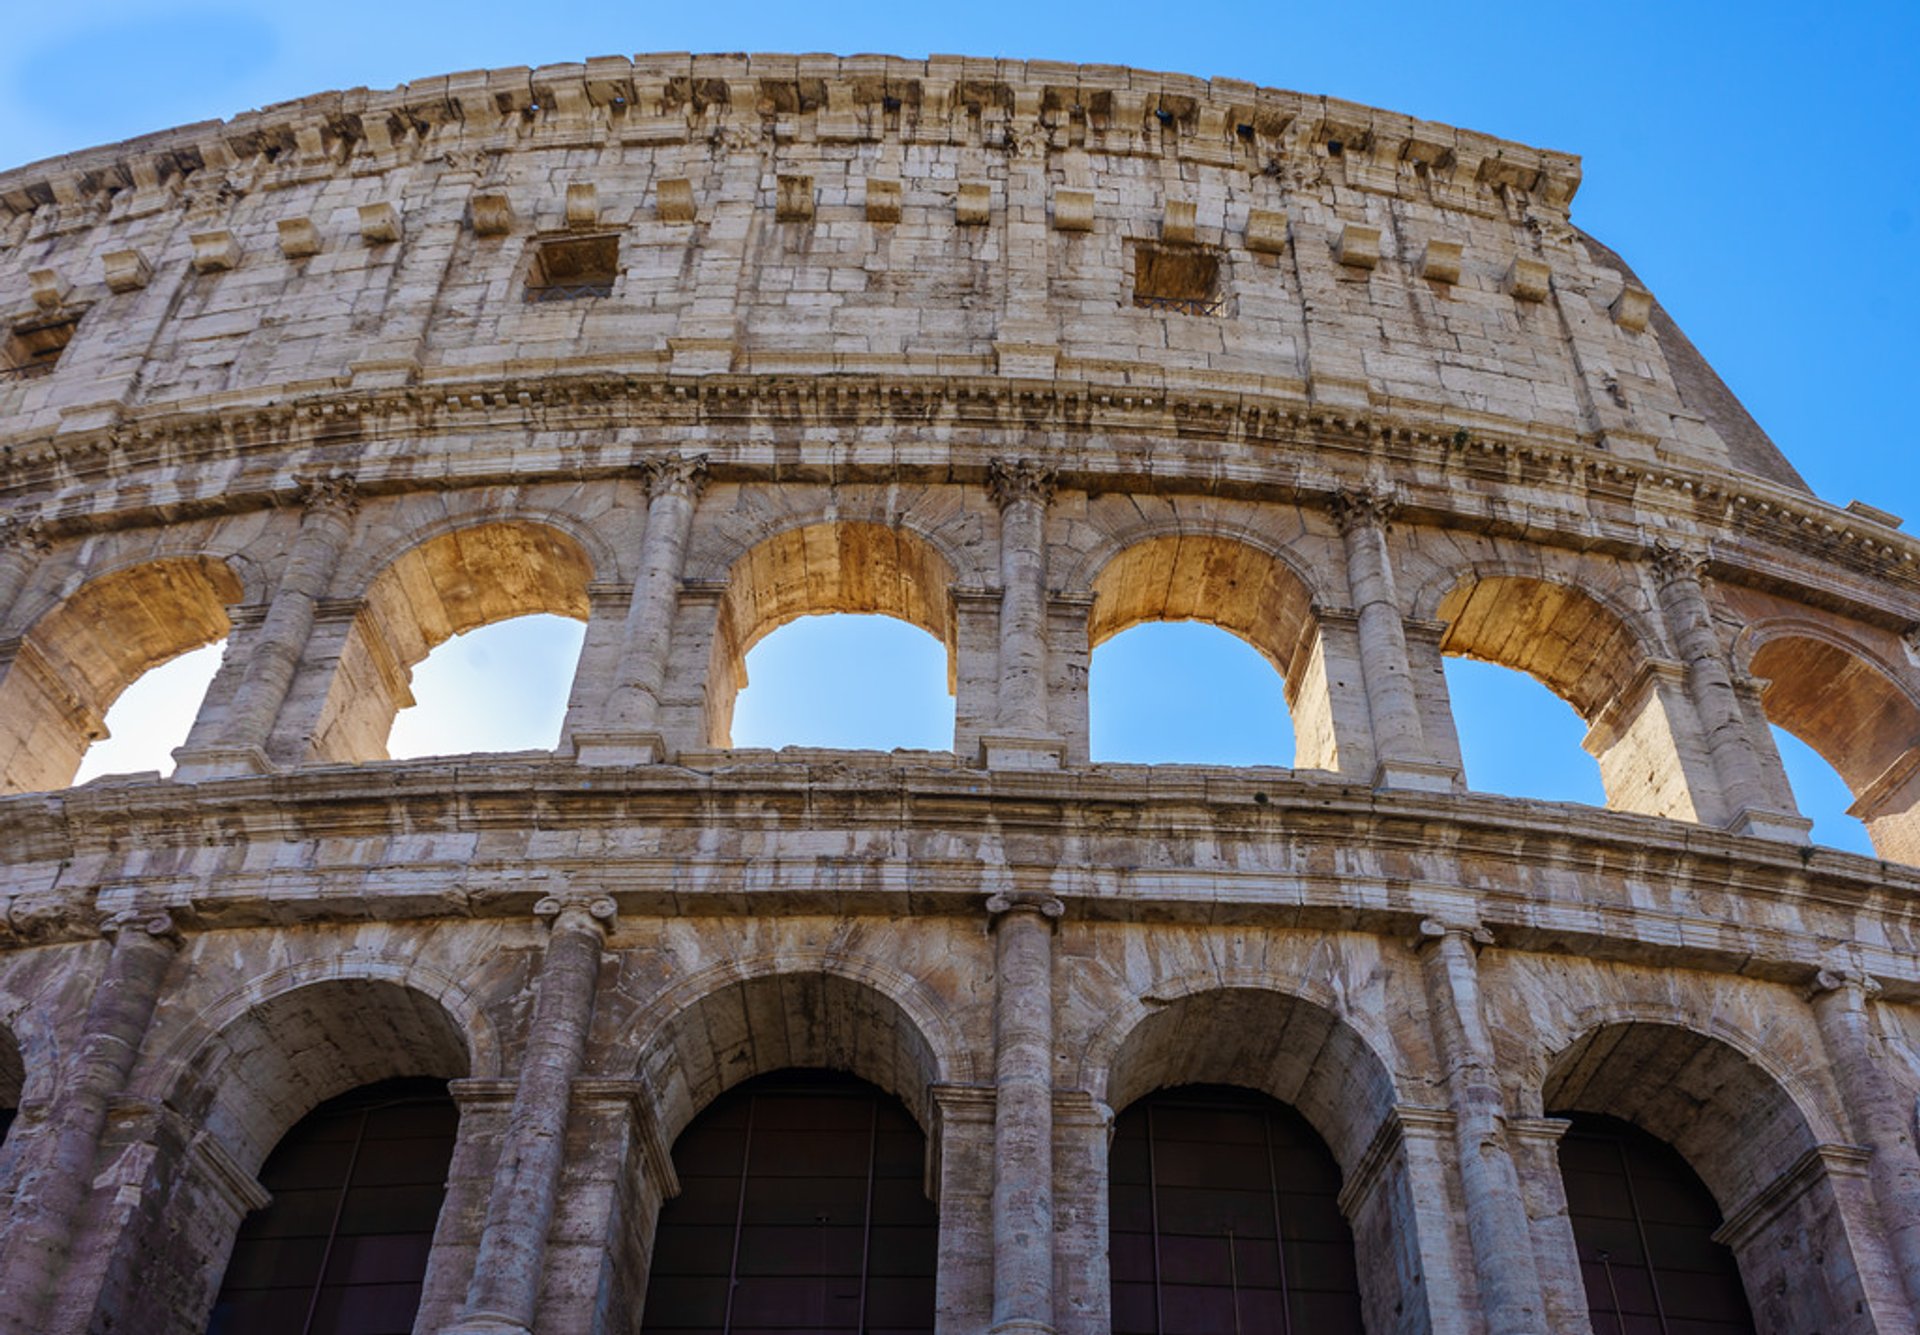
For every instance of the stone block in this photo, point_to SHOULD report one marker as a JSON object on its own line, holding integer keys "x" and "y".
{"x": 1632, "y": 309}
{"x": 1177, "y": 222}
{"x": 49, "y": 288}
{"x": 491, "y": 214}
{"x": 583, "y": 205}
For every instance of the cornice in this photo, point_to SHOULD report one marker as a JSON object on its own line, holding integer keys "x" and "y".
{"x": 738, "y": 101}
{"x": 1726, "y": 902}
{"x": 1304, "y": 452}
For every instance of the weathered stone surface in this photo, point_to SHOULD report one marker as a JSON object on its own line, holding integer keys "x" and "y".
{"x": 307, "y": 402}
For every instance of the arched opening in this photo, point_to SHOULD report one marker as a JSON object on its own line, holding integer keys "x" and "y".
{"x": 1821, "y": 795}
{"x": 1517, "y": 737}
{"x": 1186, "y": 693}
{"x": 802, "y": 1207}
{"x": 1238, "y": 588}
{"x": 815, "y": 570}
{"x": 1643, "y": 1224}
{"x": 445, "y": 586}
{"x": 846, "y": 681}
{"x": 1860, "y": 721}
{"x": 499, "y": 687}
{"x": 153, "y": 716}
{"x": 341, "y": 1249}
{"x": 76, "y": 660}
{"x": 1300, "y": 1054}
{"x": 1736, "y": 1127}
{"x": 1587, "y": 654}
{"x": 1224, "y": 1215}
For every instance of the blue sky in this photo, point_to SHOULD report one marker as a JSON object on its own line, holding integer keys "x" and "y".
{"x": 1752, "y": 161}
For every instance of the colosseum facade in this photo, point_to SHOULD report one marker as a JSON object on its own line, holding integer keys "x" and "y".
{"x": 653, "y": 1033}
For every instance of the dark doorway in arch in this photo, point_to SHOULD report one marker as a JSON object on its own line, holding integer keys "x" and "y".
{"x": 801, "y": 1208}
{"x": 1643, "y": 1224}
{"x": 342, "y": 1248}
{"x": 1224, "y": 1216}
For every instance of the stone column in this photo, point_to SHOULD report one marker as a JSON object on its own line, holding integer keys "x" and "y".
{"x": 1399, "y": 742}
{"x": 508, "y": 1269}
{"x": 629, "y": 728}
{"x": 52, "y": 1192}
{"x": 1023, "y": 737}
{"x": 274, "y": 652}
{"x": 22, "y": 543}
{"x": 1731, "y": 747}
{"x": 1023, "y": 1113}
{"x": 1842, "y": 1007}
{"x": 1497, "y": 1224}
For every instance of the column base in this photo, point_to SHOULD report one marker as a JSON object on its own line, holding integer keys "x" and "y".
{"x": 1026, "y": 753}
{"x": 1788, "y": 828}
{"x": 218, "y": 762}
{"x": 620, "y": 748}
{"x": 1021, "y": 1326}
{"x": 1418, "y": 775}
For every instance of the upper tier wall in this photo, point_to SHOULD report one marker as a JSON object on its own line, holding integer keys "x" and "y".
{"x": 860, "y": 216}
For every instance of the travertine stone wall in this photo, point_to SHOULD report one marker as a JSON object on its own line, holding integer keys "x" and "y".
{"x": 872, "y": 343}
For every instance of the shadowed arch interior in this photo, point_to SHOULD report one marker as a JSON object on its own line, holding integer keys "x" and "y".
{"x": 1231, "y": 584}
{"x": 294, "y": 1051}
{"x": 779, "y": 1021}
{"x": 1577, "y": 647}
{"x": 449, "y": 584}
{"x": 77, "y": 659}
{"x": 1861, "y": 723}
{"x": 818, "y": 569}
{"x": 13, "y": 1080}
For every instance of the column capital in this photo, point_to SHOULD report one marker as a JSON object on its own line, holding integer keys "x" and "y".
{"x": 1372, "y": 506}
{"x": 155, "y": 923}
{"x": 1005, "y": 902}
{"x": 24, "y": 533}
{"x": 334, "y": 491}
{"x": 1674, "y": 561}
{"x": 684, "y": 476}
{"x": 1010, "y": 480}
{"x": 1841, "y": 978}
{"x": 598, "y": 910}
{"x": 1438, "y": 929}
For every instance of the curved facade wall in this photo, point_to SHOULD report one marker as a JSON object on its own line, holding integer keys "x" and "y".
{"x": 1024, "y": 355}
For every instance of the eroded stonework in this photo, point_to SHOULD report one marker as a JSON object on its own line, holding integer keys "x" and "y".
{"x": 1025, "y": 355}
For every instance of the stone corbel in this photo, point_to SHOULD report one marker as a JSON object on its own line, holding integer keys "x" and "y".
{"x": 583, "y": 205}
{"x": 1632, "y": 309}
{"x": 126, "y": 270}
{"x": 972, "y": 204}
{"x": 1073, "y": 210}
{"x": 1267, "y": 231}
{"x": 492, "y": 214}
{"x": 215, "y": 252}
{"x": 883, "y": 200}
{"x": 1440, "y": 262}
{"x": 1528, "y": 279}
{"x": 49, "y": 289}
{"x": 299, "y": 238}
{"x": 1177, "y": 221}
{"x": 673, "y": 200}
{"x": 379, "y": 224}
{"x": 1358, "y": 246}
{"x": 793, "y": 199}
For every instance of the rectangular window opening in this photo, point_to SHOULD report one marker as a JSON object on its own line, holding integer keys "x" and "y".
{"x": 573, "y": 268}
{"x": 33, "y": 346}
{"x": 1184, "y": 279}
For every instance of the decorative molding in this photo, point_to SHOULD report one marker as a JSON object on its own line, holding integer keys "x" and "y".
{"x": 1010, "y": 480}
